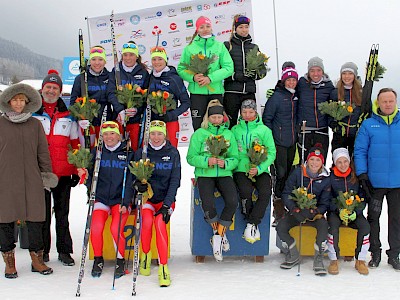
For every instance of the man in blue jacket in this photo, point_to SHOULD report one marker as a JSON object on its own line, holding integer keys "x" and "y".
{"x": 378, "y": 169}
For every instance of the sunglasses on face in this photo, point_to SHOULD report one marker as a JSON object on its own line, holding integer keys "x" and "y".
{"x": 157, "y": 123}
{"x": 96, "y": 50}
{"x": 242, "y": 19}
{"x": 109, "y": 125}
{"x": 129, "y": 45}
{"x": 157, "y": 49}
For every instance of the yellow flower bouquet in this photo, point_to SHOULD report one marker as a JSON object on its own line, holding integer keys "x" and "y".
{"x": 217, "y": 145}
{"x": 200, "y": 64}
{"x": 161, "y": 102}
{"x": 80, "y": 158}
{"x": 131, "y": 96}
{"x": 348, "y": 201}
{"x": 303, "y": 199}
{"x": 84, "y": 110}
{"x": 257, "y": 154}
{"x": 256, "y": 63}
{"x": 143, "y": 169}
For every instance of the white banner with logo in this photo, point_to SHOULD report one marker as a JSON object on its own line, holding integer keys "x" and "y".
{"x": 177, "y": 25}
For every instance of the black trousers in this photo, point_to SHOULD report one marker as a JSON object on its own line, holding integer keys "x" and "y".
{"x": 360, "y": 223}
{"x": 283, "y": 165}
{"x": 7, "y": 240}
{"x": 61, "y": 197}
{"x": 198, "y": 107}
{"x": 374, "y": 213}
{"x": 254, "y": 211}
{"x": 311, "y": 138}
{"x": 288, "y": 222}
{"x": 232, "y": 104}
{"x": 339, "y": 141}
{"x": 226, "y": 186}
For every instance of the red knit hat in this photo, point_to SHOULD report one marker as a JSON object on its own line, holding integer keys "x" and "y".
{"x": 316, "y": 151}
{"x": 201, "y": 21}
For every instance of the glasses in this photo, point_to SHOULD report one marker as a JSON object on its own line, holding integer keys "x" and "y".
{"x": 129, "y": 45}
{"x": 242, "y": 19}
{"x": 110, "y": 125}
{"x": 157, "y": 49}
{"x": 157, "y": 123}
{"x": 97, "y": 50}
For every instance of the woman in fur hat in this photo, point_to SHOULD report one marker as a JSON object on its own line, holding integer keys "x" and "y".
{"x": 26, "y": 172}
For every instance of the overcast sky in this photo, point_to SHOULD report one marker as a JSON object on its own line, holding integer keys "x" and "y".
{"x": 338, "y": 31}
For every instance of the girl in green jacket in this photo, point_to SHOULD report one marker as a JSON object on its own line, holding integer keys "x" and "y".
{"x": 252, "y": 134}
{"x": 215, "y": 172}
{"x": 205, "y": 87}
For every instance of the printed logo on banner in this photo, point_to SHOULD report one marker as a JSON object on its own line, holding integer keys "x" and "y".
{"x": 152, "y": 17}
{"x": 184, "y": 138}
{"x": 189, "y": 23}
{"x": 188, "y": 39}
{"x": 199, "y": 7}
{"x": 177, "y": 56}
{"x": 137, "y": 34}
{"x": 186, "y": 9}
{"x": 173, "y": 26}
{"x": 142, "y": 49}
{"x": 219, "y": 19}
{"x": 228, "y": 31}
{"x": 73, "y": 67}
{"x": 239, "y": 2}
{"x": 206, "y": 6}
{"x": 176, "y": 42}
{"x": 101, "y": 25}
{"x": 135, "y": 19}
{"x": 186, "y": 113}
{"x": 120, "y": 22}
{"x": 105, "y": 41}
{"x": 164, "y": 43}
{"x": 222, "y": 3}
{"x": 171, "y": 12}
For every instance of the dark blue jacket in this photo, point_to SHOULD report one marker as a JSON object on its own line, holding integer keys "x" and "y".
{"x": 111, "y": 176}
{"x": 344, "y": 184}
{"x": 138, "y": 76}
{"x": 171, "y": 82}
{"x": 320, "y": 187}
{"x": 166, "y": 177}
{"x": 310, "y": 95}
{"x": 97, "y": 89}
{"x": 280, "y": 115}
{"x": 352, "y": 120}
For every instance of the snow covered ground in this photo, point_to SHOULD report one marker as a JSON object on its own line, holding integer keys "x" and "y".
{"x": 234, "y": 278}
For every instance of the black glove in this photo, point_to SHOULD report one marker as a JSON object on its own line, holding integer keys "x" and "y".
{"x": 74, "y": 180}
{"x": 139, "y": 186}
{"x": 298, "y": 215}
{"x": 165, "y": 118}
{"x": 366, "y": 185}
{"x": 239, "y": 76}
{"x": 166, "y": 212}
{"x": 308, "y": 213}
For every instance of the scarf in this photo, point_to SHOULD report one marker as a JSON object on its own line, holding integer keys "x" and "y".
{"x": 15, "y": 117}
{"x": 158, "y": 74}
{"x": 158, "y": 147}
{"x": 112, "y": 149}
{"x": 128, "y": 69}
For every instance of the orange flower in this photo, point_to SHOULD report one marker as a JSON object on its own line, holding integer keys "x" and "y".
{"x": 350, "y": 109}
{"x": 92, "y": 100}
{"x": 159, "y": 94}
{"x": 138, "y": 89}
{"x": 165, "y": 95}
{"x": 129, "y": 86}
{"x": 201, "y": 56}
{"x": 310, "y": 196}
{"x": 144, "y": 91}
{"x": 358, "y": 199}
{"x": 257, "y": 148}
{"x": 349, "y": 201}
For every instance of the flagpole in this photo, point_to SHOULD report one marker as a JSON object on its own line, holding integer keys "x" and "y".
{"x": 276, "y": 42}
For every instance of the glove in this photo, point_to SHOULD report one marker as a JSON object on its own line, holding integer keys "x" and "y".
{"x": 121, "y": 117}
{"x": 166, "y": 212}
{"x": 270, "y": 92}
{"x": 140, "y": 187}
{"x": 84, "y": 124}
{"x": 74, "y": 180}
{"x": 298, "y": 215}
{"x": 308, "y": 213}
{"x": 343, "y": 215}
{"x": 238, "y": 76}
{"x": 334, "y": 125}
{"x": 353, "y": 216}
{"x": 164, "y": 118}
{"x": 366, "y": 185}
{"x": 130, "y": 112}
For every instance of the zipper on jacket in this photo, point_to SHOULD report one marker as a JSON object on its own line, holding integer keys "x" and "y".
{"x": 315, "y": 108}
{"x": 291, "y": 100}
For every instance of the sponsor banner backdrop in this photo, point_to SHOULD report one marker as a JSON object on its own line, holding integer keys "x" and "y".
{"x": 177, "y": 25}
{"x": 70, "y": 70}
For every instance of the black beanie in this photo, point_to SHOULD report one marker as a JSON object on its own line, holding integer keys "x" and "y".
{"x": 52, "y": 77}
{"x": 215, "y": 110}
{"x": 239, "y": 20}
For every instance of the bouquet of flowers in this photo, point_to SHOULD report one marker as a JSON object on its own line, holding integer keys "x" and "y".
{"x": 200, "y": 64}
{"x": 304, "y": 199}
{"x": 142, "y": 170}
{"x": 256, "y": 63}
{"x": 131, "y": 96}
{"x": 161, "y": 102}
{"x": 80, "y": 158}
{"x": 217, "y": 146}
{"x": 257, "y": 154}
{"x": 379, "y": 71}
{"x": 336, "y": 109}
{"x": 348, "y": 201}
{"x": 84, "y": 110}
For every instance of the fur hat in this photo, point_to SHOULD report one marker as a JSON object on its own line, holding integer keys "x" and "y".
{"x": 53, "y": 77}
{"x": 34, "y": 98}
{"x": 315, "y": 62}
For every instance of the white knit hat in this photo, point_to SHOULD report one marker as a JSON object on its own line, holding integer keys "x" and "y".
{"x": 340, "y": 152}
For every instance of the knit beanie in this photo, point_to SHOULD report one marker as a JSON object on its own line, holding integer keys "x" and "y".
{"x": 201, "y": 21}
{"x": 159, "y": 52}
{"x": 157, "y": 125}
{"x": 316, "y": 151}
{"x": 215, "y": 110}
{"x": 130, "y": 47}
{"x": 315, "y": 62}
{"x": 340, "y": 152}
{"x": 239, "y": 20}
{"x": 289, "y": 71}
{"x": 349, "y": 67}
{"x": 97, "y": 51}
{"x": 249, "y": 103}
{"x": 110, "y": 126}
{"x": 52, "y": 77}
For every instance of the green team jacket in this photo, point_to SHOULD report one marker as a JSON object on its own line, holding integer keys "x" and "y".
{"x": 198, "y": 155}
{"x": 245, "y": 133}
{"x": 218, "y": 71}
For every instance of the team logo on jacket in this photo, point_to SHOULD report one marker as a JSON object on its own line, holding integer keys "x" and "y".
{"x": 138, "y": 76}
{"x": 121, "y": 156}
{"x": 166, "y": 158}
{"x": 163, "y": 82}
